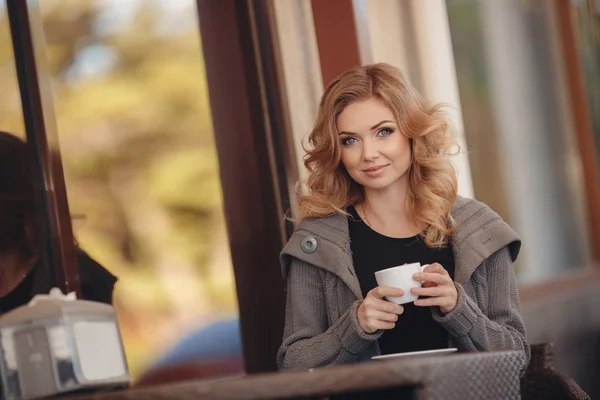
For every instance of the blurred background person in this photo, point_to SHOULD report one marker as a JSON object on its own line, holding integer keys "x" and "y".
{"x": 21, "y": 236}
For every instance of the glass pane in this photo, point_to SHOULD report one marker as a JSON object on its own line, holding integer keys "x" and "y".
{"x": 18, "y": 225}
{"x": 520, "y": 137}
{"x": 141, "y": 165}
{"x": 11, "y": 115}
{"x": 586, "y": 16}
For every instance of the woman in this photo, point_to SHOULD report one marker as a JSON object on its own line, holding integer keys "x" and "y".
{"x": 20, "y": 237}
{"x": 382, "y": 192}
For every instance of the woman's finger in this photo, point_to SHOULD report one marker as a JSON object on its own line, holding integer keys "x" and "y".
{"x": 436, "y": 268}
{"x": 432, "y": 277}
{"x": 381, "y": 316}
{"x": 437, "y": 291}
{"x": 385, "y": 306}
{"x": 384, "y": 325}
{"x": 381, "y": 292}
{"x": 431, "y": 301}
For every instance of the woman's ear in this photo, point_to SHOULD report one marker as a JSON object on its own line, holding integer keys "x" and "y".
{"x": 32, "y": 240}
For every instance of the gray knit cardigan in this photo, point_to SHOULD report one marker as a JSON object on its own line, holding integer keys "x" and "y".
{"x": 323, "y": 293}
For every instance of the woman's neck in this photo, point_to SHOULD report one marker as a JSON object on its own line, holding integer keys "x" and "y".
{"x": 385, "y": 211}
{"x": 13, "y": 268}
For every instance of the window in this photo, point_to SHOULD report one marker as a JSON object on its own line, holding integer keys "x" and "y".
{"x": 140, "y": 163}
{"x": 523, "y": 156}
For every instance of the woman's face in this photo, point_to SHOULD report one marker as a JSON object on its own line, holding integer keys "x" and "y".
{"x": 374, "y": 152}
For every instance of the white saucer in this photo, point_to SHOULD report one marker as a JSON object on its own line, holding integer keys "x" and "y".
{"x": 436, "y": 352}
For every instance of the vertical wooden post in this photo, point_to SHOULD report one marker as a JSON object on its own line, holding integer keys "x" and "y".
{"x": 337, "y": 37}
{"x": 582, "y": 120}
{"x": 250, "y": 131}
{"x": 58, "y": 254}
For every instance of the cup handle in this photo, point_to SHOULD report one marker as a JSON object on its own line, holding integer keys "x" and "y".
{"x": 423, "y": 267}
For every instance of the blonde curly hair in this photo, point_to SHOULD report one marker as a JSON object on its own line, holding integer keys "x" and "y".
{"x": 432, "y": 179}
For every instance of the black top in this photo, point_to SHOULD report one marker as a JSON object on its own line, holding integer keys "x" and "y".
{"x": 371, "y": 251}
{"x": 97, "y": 284}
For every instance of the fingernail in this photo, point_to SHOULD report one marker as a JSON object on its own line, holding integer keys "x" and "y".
{"x": 417, "y": 276}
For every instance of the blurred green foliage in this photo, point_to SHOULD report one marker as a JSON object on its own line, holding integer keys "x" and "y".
{"x": 140, "y": 162}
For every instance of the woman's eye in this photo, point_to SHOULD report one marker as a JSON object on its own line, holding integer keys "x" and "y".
{"x": 347, "y": 141}
{"x": 385, "y": 132}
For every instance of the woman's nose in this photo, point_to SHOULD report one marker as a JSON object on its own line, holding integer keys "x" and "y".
{"x": 370, "y": 151}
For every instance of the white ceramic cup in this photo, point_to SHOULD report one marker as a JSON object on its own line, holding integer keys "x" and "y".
{"x": 400, "y": 277}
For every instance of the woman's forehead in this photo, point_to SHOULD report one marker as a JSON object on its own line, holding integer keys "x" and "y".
{"x": 362, "y": 115}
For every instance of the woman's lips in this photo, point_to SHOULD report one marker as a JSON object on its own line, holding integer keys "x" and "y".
{"x": 375, "y": 171}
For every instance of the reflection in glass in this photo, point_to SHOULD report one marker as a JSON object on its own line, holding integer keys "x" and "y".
{"x": 587, "y": 22}
{"x": 520, "y": 137}
{"x": 140, "y": 163}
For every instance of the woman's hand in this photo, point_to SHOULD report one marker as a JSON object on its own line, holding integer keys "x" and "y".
{"x": 375, "y": 313}
{"x": 438, "y": 285}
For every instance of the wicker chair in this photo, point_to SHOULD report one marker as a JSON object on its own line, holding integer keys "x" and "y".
{"x": 542, "y": 381}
